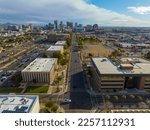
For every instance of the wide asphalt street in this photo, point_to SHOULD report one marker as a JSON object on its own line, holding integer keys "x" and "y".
{"x": 77, "y": 84}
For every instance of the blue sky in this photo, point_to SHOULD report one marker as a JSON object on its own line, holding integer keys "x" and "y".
{"x": 102, "y": 12}
{"x": 120, "y": 5}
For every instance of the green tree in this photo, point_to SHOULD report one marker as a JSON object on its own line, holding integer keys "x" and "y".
{"x": 66, "y": 53}
{"x": 68, "y": 40}
{"x": 57, "y": 55}
{"x": 54, "y": 108}
{"x": 107, "y": 97}
{"x": 44, "y": 110}
{"x": 115, "y": 100}
{"x": 45, "y": 55}
{"x": 132, "y": 97}
{"x": 63, "y": 61}
{"x": 140, "y": 99}
{"x": 123, "y": 99}
{"x": 58, "y": 79}
{"x": 49, "y": 104}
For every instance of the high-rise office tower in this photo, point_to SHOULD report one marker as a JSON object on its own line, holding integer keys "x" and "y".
{"x": 55, "y": 24}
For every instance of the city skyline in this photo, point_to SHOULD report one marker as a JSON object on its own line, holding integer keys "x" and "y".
{"x": 103, "y": 12}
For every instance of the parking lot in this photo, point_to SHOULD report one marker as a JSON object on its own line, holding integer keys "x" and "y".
{"x": 7, "y": 73}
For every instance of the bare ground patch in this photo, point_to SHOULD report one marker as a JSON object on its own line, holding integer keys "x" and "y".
{"x": 96, "y": 50}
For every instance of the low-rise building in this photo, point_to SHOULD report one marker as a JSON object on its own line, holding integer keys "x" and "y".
{"x": 131, "y": 45}
{"x": 61, "y": 43}
{"x": 55, "y": 49}
{"x": 19, "y": 104}
{"x": 54, "y": 37}
{"x": 41, "y": 70}
{"x": 125, "y": 73}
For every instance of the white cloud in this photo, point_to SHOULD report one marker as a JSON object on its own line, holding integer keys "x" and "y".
{"x": 6, "y": 11}
{"x": 140, "y": 9}
{"x": 34, "y": 22}
{"x": 77, "y": 10}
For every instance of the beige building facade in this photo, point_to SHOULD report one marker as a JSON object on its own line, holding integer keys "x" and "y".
{"x": 41, "y": 70}
{"x": 130, "y": 73}
{"x": 55, "y": 49}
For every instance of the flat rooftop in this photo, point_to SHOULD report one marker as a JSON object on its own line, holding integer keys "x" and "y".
{"x": 16, "y": 103}
{"x": 40, "y": 65}
{"x": 106, "y": 66}
{"x": 63, "y": 43}
{"x": 55, "y": 48}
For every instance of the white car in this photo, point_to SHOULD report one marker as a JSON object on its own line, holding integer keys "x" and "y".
{"x": 3, "y": 78}
{"x": 66, "y": 100}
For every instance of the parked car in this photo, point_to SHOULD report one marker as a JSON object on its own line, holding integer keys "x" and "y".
{"x": 3, "y": 78}
{"x": 7, "y": 73}
{"x": 66, "y": 101}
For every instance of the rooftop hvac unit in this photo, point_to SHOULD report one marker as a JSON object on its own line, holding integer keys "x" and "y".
{"x": 126, "y": 66}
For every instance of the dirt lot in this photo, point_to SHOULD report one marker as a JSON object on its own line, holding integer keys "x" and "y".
{"x": 96, "y": 50}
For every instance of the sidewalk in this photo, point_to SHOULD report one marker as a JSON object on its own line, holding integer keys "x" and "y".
{"x": 62, "y": 86}
{"x": 65, "y": 79}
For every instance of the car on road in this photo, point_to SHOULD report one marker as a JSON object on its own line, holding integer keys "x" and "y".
{"x": 66, "y": 101}
{"x": 7, "y": 73}
{"x": 20, "y": 65}
{"x": 27, "y": 60}
{"x": 3, "y": 78}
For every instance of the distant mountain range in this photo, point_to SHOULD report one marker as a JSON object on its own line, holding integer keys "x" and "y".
{"x": 14, "y": 24}
{"x": 7, "y": 24}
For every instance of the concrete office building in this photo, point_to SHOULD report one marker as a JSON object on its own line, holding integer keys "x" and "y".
{"x": 124, "y": 73}
{"x": 54, "y": 37}
{"x": 57, "y": 49}
{"x": 41, "y": 70}
{"x": 19, "y": 104}
{"x": 61, "y": 43}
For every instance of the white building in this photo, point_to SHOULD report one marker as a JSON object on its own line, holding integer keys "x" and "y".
{"x": 41, "y": 70}
{"x": 19, "y": 104}
{"x": 61, "y": 43}
{"x": 57, "y": 49}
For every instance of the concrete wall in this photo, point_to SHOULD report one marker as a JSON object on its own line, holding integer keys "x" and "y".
{"x": 52, "y": 75}
{"x": 147, "y": 82}
{"x": 40, "y": 77}
{"x": 50, "y": 53}
{"x": 36, "y": 106}
{"x": 141, "y": 83}
{"x": 112, "y": 82}
{"x": 95, "y": 80}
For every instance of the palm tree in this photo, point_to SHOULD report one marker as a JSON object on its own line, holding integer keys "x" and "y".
{"x": 140, "y": 99}
{"x": 107, "y": 97}
{"x": 132, "y": 97}
{"x": 116, "y": 100}
{"x": 123, "y": 99}
{"x": 108, "y": 105}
